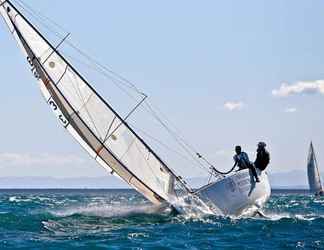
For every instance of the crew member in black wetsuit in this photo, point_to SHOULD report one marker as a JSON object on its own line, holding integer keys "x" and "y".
{"x": 263, "y": 157}
{"x": 241, "y": 159}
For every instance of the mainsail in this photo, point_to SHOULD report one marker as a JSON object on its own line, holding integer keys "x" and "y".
{"x": 88, "y": 117}
{"x": 314, "y": 178}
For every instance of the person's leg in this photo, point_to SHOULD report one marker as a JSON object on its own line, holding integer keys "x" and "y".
{"x": 254, "y": 173}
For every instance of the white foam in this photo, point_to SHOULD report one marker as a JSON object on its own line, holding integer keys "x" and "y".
{"x": 106, "y": 210}
{"x": 319, "y": 201}
{"x": 191, "y": 207}
{"x": 279, "y": 216}
{"x": 12, "y": 199}
{"x": 18, "y": 199}
{"x": 137, "y": 235}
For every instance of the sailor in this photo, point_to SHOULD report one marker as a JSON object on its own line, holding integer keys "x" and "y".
{"x": 263, "y": 157}
{"x": 241, "y": 159}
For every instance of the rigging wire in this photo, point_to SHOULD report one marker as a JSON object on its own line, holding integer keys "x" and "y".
{"x": 102, "y": 72}
{"x": 122, "y": 82}
{"x": 38, "y": 14}
{"x": 177, "y": 138}
{"x": 185, "y": 145}
{"x": 42, "y": 19}
{"x": 148, "y": 110}
{"x": 101, "y": 69}
{"x": 177, "y": 133}
{"x": 162, "y": 144}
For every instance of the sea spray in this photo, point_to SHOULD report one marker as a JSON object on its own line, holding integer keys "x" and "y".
{"x": 192, "y": 206}
{"x": 115, "y": 210}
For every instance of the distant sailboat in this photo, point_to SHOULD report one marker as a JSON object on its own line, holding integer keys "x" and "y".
{"x": 314, "y": 178}
{"x": 111, "y": 141}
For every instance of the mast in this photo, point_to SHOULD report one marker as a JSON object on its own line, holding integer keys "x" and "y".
{"x": 74, "y": 119}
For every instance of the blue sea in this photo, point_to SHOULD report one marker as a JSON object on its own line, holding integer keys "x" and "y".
{"x": 123, "y": 219}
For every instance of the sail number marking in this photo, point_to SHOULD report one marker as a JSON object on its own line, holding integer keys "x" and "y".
{"x": 33, "y": 68}
{"x": 58, "y": 112}
{"x": 51, "y": 102}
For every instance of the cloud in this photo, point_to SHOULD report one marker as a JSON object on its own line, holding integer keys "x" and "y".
{"x": 308, "y": 87}
{"x": 27, "y": 159}
{"x": 290, "y": 110}
{"x": 232, "y": 106}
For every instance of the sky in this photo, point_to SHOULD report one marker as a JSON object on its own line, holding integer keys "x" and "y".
{"x": 225, "y": 72}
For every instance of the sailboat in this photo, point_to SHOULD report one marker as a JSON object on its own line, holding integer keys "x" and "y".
{"x": 314, "y": 178}
{"x": 113, "y": 142}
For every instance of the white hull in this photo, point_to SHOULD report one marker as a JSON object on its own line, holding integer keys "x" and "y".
{"x": 236, "y": 193}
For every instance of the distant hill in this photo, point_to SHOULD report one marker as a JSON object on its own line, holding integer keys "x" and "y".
{"x": 286, "y": 180}
{"x": 292, "y": 179}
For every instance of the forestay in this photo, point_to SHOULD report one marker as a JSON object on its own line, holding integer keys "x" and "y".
{"x": 313, "y": 172}
{"x": 94, "y": 124}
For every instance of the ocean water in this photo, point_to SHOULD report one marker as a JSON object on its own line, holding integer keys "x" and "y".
{"x": 123, "y": 219}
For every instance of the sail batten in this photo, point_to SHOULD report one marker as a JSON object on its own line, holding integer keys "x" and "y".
{"x": 88, "y": 117}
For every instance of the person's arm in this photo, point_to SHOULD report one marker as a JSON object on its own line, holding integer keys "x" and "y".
{"x": 267, "y": 157}
{"x": 246, "y": 157}
{"x": 236, "y": 160}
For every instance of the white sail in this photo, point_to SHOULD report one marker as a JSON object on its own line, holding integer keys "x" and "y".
{"x": 314, "y": 179}
{"x": 92, "y": 121}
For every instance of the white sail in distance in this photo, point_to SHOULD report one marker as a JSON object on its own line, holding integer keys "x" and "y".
{"x": 314, "y": 178}
{"x": 88, "y": 117}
